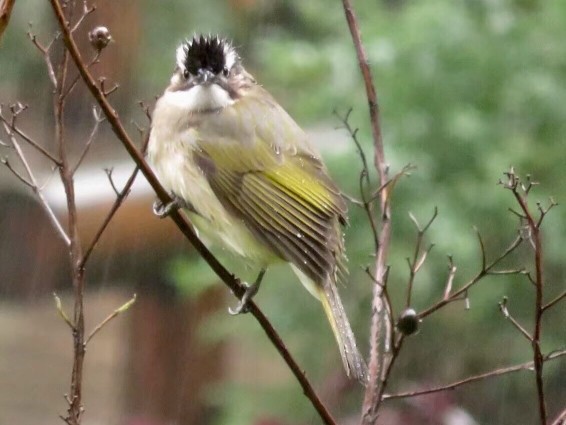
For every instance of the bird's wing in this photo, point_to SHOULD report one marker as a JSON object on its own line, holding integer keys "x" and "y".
{"x": 285, "y": 198}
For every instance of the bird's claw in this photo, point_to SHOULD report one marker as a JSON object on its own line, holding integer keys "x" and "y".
{"x": 251, "y": 290}
{"x": 241, "y": 308}
{"x": 162, "y": 210}
{"x": 243, "y": 305}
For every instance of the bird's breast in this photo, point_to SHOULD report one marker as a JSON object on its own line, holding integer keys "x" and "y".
{"x": 171, "y": 151}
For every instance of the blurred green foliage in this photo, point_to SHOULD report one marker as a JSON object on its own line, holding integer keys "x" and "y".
{"x": 466, "y": 88}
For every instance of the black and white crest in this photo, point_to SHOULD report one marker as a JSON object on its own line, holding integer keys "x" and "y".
{"x": 212, "y": 53}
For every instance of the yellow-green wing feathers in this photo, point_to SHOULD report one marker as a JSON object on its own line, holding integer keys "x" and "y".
{"x": 285, "y": 198}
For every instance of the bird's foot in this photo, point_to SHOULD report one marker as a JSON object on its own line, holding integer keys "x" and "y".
{"x": 162, "y": 210}
{"x": 249, "y": 293}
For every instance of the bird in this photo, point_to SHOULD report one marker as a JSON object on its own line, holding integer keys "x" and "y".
{"x": 249, "y": 179}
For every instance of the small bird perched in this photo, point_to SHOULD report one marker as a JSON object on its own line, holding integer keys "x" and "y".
{"x": 249, "y": 179}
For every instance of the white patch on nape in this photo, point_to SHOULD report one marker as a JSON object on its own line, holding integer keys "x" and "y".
{"x": 230, "y": 56}
{"x": 181, "y": 56}
{"x": 199, "y": 98}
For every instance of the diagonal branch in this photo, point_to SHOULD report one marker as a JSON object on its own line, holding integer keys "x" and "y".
{"x": 230, "y": 280}
{"x": 32, "y": 183}
{"x": 505, "y": 311}
{"x": 560, "y": 419}
{"x": 120, "y": 198}
{"x": 471, "y": 379}
{"x": 29, "y": 140}
{"x": 555, "y": 301}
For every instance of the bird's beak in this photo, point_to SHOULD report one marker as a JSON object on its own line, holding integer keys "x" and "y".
{"x": 205, "y": 77}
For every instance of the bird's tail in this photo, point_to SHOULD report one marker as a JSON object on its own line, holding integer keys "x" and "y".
{"x": 353, "y": 361}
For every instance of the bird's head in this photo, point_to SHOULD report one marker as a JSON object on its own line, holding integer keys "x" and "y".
{"x": 208, "y": 73}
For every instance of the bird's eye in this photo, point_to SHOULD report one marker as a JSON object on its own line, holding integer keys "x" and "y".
{"x": 225, "y": 71}
{"x": 186, "y": 73}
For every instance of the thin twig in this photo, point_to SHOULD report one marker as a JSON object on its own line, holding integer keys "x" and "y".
{"x": 482, "y": 248}
{"x": 418, "y": 257}
{"x": 120, "y": 198}
{"x": 29, "y": 140}
{"x": 491, "y": 374}
{"x": 16, "y": 173}
{"x": 486, "y": 271}
{"x": 35, "y": 188}
{"x": 555, "y": 301}
{"x": 390, "y": 184}
{"x": 544, "y": 211}
{"x": 45, "y": 51}
{"x": 233, "y": 283}
{"x": 61, "y": 311}
{"x": 345, "y": 120}
{"x": 560, "y": 419}
{"x": 97, "y": 121}
{"x": 77, "y": 78}
{"x": 109, "y": 172}
{"x": 86, "y": 11}
{"x": 450, "y": 279}
{"x": 124, "y": 307}
{"x": 507, "y": 315}
{"x": 364, "y": 177}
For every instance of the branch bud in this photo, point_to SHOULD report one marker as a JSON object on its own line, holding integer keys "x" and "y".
{"x": 408, "y": 322}
{"x": 99, "y": 38}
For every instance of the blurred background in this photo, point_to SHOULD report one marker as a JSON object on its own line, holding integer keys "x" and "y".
{"x": 466, "y": 89}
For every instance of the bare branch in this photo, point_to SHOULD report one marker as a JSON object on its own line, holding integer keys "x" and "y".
{"x": 120, "y": 198}
{"x": 86, "y": 11}
{"x": 364, "y": 178}
{"x": 478, "y": 277}
{"x": 106, "y": 92}
{"x": 124, "y": 307}
{"x": 16, "y": 173}
{"x": 418, "y": 258}
{"x": 498, "y": 372}
{"x": 449, "y": 281}
{"x": 6, "y": 7}
{"x": 32, "y": 183}
{"x": 45, "y": 52}
{"x": 95, "y": 60}
{"x": 145, "y": 109}
{"x": 555, "y": 301}
{"x": 379, "y": 366}
{"x": 97, "y": 121}
{"x": 11, "y": 125}
{"x": 507, "y": 315}
{"x": 390, "y": 184}
{"x": 560, "y": 419}
{"x": 109, "y": 172}
{"x": 482, "y": 248}
{"x": 515, "y": 185}
{"x": 61, "y": 311}
{"x": 544, "y": 211}
{"x": 345, "y": 120}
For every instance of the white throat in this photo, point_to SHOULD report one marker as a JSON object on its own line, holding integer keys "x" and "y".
{"x": 199, "y": 98}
